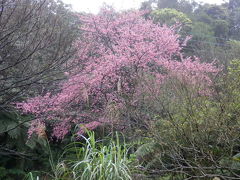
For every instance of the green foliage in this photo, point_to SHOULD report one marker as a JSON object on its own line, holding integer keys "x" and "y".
{"x": 12, "y": 146}
{"x": 10, "y": 174}
{"x": 202, "y": 43}
{"x": 171, "y": 17}
{"x": 221, "y": 29}
{"x": 234, "y": 49}
{"x": 216, "y": 12}
{"x": 3, "y": 172}
{"x": 18, "y": 153}
{"x": 234, "y": 17}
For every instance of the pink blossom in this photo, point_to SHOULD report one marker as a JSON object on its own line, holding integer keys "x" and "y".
{"x": 116, "y": 51}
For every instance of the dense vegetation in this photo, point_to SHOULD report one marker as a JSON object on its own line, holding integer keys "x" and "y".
{"x": 152, "y": 93}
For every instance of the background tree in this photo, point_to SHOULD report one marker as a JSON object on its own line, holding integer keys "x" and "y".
{"x": 36, "y": 39}
{"x": 36, "y": 42}
{"x": 184, "y": 6}
{"x": 172, "y": 17}
{"x": 234, "y": 18}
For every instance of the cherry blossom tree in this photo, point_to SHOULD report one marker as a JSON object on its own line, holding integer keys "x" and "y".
{"x": 117, "y": 50}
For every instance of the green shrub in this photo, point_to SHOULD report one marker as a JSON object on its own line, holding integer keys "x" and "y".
{"x": 196, "y": 136}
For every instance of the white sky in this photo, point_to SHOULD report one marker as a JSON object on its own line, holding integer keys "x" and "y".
{"x": 93, "y": 6}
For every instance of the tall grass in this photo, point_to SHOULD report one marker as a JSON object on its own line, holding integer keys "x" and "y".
{"x": 93, "y": 160}
{"x": 101, "y": 162}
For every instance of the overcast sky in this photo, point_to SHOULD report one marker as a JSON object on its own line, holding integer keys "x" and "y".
{"x": 94, "y": 5}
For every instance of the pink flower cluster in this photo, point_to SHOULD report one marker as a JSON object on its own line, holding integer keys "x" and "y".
{"x": 114, "y": 51}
